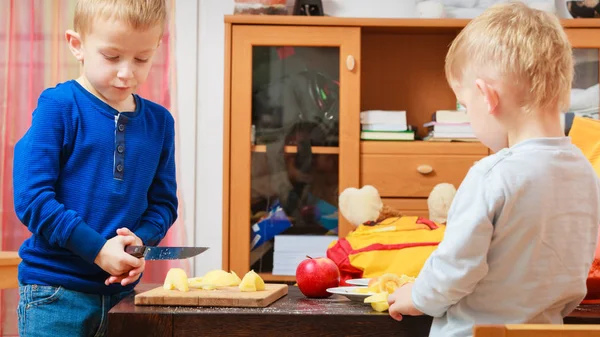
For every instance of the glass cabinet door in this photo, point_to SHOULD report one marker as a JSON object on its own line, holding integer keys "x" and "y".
{"x": 585, "y": 93}
{"x": 294, "y": 163}
{"x": 286, "y": 145}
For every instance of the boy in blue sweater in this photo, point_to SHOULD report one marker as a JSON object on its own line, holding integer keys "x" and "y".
{"x": 94, "y": 173}
{"x": 522, "y": 229}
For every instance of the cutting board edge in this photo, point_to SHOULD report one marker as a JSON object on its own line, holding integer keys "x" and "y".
{"x": 279, "y": 291}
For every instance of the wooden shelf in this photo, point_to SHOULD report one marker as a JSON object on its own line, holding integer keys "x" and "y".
{"x": 293, "y": 149}
{"x": 376, "y": 22}
{"x": 9, "y": 263}
{"x": 419, "y": 147}
{"x": 269, "y": 277}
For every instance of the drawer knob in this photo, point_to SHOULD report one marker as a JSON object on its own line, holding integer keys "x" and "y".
{"x": 350, "y": 63}
{"x": 424, "y": 169}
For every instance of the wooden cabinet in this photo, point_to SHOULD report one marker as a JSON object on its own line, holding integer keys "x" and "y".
{"x": 294, "y": 89}
{"x": 292, "y": 120}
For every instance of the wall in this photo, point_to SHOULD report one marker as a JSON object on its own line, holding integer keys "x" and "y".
{"x": 199, "y": 52}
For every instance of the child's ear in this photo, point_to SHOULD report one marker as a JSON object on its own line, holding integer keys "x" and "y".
{"x": 75, "y": 44}
{"x": 490, "y": 95}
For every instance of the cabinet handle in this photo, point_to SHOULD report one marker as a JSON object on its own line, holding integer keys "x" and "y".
{"x": 424, "y": 169}
{"x": 350, "y": 62}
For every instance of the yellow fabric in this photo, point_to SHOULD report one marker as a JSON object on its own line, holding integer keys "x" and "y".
{"x": 585, "y": 134}
{"x": 393, "y": 231}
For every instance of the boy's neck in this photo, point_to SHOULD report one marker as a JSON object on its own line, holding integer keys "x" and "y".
{"x": 535, "y": 124}
{"x": 125, "y": 106}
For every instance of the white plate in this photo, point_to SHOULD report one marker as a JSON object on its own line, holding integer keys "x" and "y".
{"x": 359, "y": 281}
{"x": 350, "y": 293}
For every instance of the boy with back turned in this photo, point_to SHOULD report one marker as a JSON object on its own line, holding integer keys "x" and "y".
{"x": 94, "y": 173}
{"x": 522, "y": 229}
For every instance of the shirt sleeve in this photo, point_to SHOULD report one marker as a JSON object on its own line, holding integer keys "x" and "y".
{"x": 35, "y": 171}
{"x": 162, "y": 195}
{"x": 460, "y": 261}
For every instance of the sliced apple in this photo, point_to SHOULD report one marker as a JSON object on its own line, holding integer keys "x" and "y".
{"x": 378, "y": 301}
{"x": 195, "y": 282}
{"x": 237, "y": 279}
{"x": 252, "y": 282}
{"x": 380, "y": 306}
{"x": 176, "y": 279}
{"x": 379, "y": 297}
{"x": 216, "y": 279}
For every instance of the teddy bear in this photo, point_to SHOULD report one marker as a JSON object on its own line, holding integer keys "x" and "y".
{"x": 364, "y": 205}
{"x": 385, "y": 240}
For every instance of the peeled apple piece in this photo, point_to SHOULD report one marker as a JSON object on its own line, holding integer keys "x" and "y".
{"x": 176, "y": 279}
{"x": 380, "y": 306}
{"x": 378, "y": 301}
{"x": 252, "y": 282}
{"x": 219, "y": 278}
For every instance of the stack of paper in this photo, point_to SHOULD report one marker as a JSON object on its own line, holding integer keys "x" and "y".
{"x": 290, "y": 250}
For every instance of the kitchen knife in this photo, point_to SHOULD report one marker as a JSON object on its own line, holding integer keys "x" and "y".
{"x": 164, "y": 253}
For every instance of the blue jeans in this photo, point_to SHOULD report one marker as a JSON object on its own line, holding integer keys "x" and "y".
{"x": 55, "y": 311}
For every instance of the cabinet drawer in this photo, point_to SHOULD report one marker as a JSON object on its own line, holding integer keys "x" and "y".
{"x": 406, "y": 175}
{"x": 409, "y": 207}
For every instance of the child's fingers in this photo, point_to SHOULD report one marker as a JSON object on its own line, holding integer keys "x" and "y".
{"x": 394, "y": 312}
{"x": 129, "y": 279}
{"x": 137, "y": 271}
{"x": 126, "y": 240}
{"x": 391, "y": 299}
{"x": 112, "y": 279}
{"x": 127, "y": 258}
{"x": 124, "y": 231}
{"x": 396, "y": 316}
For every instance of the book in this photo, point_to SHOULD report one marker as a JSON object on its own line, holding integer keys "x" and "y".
{"x": 450, "y": 127}
{"x": 384, "y": 127}
{"x": 383, "y": 117}
{"x": 450, "y": 116}
{"x": 383, "y": 135}
{"x": 441, "y": 134}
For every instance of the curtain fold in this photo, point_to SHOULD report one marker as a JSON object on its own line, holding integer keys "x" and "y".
{"x": 35, "y": 56}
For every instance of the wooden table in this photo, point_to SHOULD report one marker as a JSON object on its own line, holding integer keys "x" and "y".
{"x": 292, "y": 315}
{"x": 9, "y": 261}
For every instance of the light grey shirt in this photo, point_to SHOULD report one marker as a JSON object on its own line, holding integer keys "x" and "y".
{"x": 519, "y": 242}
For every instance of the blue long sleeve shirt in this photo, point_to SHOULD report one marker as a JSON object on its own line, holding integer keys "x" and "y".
{"x": 81, "y": 171}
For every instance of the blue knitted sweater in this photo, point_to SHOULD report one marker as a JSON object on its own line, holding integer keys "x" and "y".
{"x": 81, "y": 171}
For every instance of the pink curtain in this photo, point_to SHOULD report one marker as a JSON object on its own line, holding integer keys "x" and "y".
{"x": 34, "y": 56}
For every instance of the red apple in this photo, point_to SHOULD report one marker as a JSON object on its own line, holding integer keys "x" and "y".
{"x": 314, "y": 276}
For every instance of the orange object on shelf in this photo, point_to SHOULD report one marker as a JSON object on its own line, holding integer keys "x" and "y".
{"x": 272, "y": 7}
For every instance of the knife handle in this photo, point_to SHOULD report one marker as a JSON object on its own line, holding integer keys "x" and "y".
{"x": 136, "y": 251}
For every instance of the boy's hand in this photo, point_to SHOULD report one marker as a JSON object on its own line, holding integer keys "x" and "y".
{"x": 401, "y": 303}
{"x": 136, "y": 272}
{"x": 113, "y": 259}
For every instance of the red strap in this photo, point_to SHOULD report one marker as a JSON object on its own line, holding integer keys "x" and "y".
{"x": 397, "y": 246}
{"x": 427, "y": 222}
{"x": 339, "y": 253}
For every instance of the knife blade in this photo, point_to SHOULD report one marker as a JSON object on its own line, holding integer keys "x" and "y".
{"x": 164, "y": 253}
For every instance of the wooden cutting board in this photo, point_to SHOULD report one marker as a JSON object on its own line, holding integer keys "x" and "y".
{"x": 222, "y": 297}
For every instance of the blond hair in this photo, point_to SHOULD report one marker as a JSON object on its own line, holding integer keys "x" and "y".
{"x": 524, "y": 48}
{"x": 139, "y": 14}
